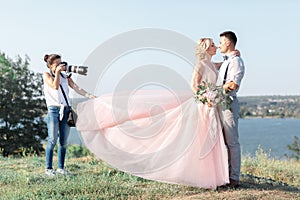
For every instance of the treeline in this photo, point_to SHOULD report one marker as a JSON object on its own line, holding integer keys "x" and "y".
{"x": 270, "y": 106}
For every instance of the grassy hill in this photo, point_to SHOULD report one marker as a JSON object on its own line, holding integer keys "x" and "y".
{"x": 23, "y": 178}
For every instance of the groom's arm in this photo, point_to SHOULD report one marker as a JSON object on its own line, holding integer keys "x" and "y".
{"x": 235, "y": 74}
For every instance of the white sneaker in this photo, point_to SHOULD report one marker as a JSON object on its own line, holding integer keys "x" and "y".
{"x": 50, "y": 172}
{"x": 64, "y": 172}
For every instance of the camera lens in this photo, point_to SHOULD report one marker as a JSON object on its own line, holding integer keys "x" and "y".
{"x": 82, "y": 70}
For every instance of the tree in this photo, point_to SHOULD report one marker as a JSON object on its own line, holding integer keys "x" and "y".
{"x": 295, "y": 147}
{"x": 22, "y": 107}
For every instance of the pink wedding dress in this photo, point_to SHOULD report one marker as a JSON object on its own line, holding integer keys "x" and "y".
{"x": 158, "y": 135}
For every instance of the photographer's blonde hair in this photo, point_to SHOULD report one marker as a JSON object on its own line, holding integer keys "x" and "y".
{"x": 202, "y": 45}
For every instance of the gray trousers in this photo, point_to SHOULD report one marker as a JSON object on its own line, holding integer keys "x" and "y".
{"x": 231, "y": 136}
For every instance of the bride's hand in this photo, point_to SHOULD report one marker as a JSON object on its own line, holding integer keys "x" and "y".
{"x": 209, "y": 104}
{"x": 236, "y": 52}
{"x": 194, "y": 90}
{"x": 228, "y": 87}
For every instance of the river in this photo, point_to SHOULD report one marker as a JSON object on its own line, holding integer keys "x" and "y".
{"x": 271, "y": 134}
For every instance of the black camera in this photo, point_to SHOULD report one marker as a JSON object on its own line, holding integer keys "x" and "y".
{"x": 82, "y": 70}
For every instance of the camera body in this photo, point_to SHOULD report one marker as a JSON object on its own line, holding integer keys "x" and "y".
{"x": 82, "y": 70}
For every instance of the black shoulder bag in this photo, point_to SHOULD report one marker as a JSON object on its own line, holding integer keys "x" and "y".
{"x": 72, "y": 118}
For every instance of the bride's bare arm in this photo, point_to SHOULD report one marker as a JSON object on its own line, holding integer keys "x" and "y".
{"x": 196, "y": 77}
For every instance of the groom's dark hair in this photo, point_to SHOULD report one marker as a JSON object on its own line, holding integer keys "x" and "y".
{"x": 230, "y": 36}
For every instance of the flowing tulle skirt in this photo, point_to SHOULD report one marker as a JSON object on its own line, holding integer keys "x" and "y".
{"x": 156, "y": 135}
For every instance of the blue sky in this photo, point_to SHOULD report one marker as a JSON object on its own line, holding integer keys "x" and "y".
{"x": 268, "y": 32}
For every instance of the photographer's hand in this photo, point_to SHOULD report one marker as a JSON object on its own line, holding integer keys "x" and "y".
{"x": 90, "y": 96}
{"x": 59, "y": 68}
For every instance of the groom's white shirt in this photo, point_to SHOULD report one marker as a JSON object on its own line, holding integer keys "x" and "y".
{"x": 235, "y": 73}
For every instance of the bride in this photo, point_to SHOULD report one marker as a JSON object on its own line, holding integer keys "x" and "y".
{"x": 156, "y": 136}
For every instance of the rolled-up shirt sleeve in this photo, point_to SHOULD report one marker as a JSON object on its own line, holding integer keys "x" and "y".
{"x": 236, "y": 71}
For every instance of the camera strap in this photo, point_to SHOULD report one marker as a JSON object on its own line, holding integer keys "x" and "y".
{"x": 63, "y": 92}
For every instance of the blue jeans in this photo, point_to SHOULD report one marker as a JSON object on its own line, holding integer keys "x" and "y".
{"x": 57, "y": 129}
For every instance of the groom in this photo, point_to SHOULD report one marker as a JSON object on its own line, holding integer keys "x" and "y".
{"x": 230, "y": 76}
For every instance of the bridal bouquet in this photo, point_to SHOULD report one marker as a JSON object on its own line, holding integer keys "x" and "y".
{"x": 213, "y": 95}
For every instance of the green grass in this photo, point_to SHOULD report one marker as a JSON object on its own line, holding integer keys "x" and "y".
{"x": 23, "y": 178}
{"x": 282, "y": 171}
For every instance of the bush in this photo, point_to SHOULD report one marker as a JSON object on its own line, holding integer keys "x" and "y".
{"x": 262, "y": 165}
{"x": 76, "y": 151}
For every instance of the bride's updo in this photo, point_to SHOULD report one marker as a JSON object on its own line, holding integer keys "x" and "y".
{"x": 202, "y": 46}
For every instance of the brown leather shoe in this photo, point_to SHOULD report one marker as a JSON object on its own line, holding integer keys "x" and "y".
{"x": 233, "y": 183}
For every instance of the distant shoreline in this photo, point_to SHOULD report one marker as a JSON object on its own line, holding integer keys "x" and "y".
{"x": 275, "y": 95}
{"x": 268, "y": 117}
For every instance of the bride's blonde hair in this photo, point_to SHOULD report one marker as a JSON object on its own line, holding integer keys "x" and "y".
{"x": 202, "y": 45}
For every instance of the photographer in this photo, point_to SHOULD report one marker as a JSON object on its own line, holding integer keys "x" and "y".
{"x": 58, "y": 110}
